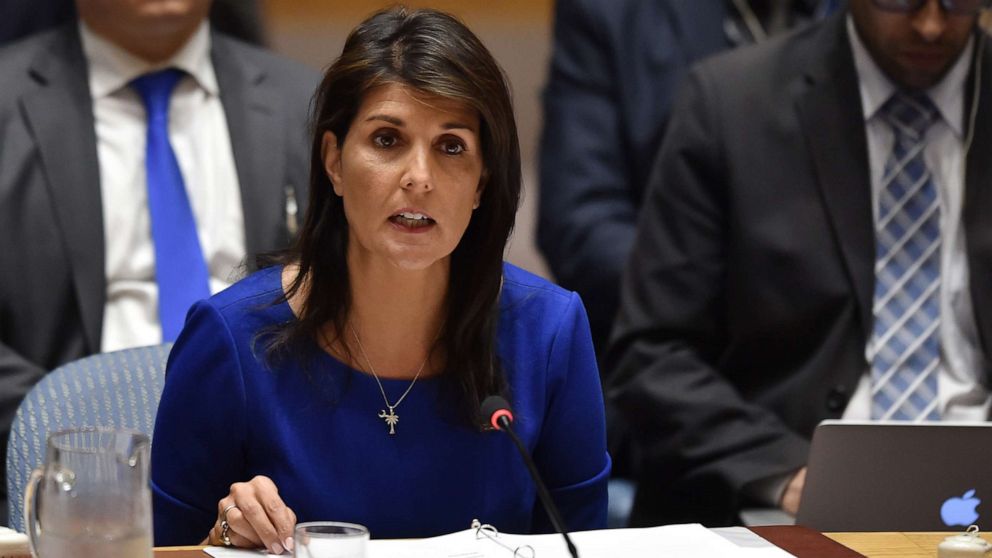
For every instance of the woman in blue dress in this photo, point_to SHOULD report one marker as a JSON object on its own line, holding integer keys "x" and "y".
{"x": 345, "y": 382}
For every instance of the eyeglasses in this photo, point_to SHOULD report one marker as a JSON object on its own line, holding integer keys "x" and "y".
{"x": 961, "y": 7}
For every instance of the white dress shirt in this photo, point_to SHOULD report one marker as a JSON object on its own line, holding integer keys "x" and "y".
{"x": 963, "y": 366}
{"x": 199, "y": 136}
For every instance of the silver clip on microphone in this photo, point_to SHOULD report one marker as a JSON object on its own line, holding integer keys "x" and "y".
{"x": 498, "y": 411}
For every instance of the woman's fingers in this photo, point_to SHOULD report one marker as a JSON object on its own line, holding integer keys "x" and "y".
{"x": 283, "y": 519}
{"x": 228, "y": 511}
{"x": 241, "y": 526}
{"x": 289, "y": 544}
{"x": 261, "y": 516}
{"x": 240, "y": 541}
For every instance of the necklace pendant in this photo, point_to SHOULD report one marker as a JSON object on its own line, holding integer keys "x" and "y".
{"x": 391, "y": 419}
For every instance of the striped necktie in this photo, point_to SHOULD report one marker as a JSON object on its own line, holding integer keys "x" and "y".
{"x": 905, "y": 350}
{"x": 180, "y": 270}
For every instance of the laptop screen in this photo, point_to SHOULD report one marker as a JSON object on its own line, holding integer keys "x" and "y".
{"x": 897, "y": 476}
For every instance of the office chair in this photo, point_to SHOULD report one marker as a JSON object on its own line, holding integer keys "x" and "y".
{"x": 119, "y": 389}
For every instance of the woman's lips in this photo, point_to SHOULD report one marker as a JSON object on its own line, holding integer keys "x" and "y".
{"x": 411, "y": 221}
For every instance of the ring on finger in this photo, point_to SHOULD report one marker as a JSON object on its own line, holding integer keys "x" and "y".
{"x": 223, "y": 514}
{"x": 225, "y": 527}
{"x": 225, "y": 538}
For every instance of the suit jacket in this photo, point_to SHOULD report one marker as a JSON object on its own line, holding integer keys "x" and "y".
{"x": 52, "y": 276}
{"x": 616, "y": 65}
{"x": 746, "y": 305}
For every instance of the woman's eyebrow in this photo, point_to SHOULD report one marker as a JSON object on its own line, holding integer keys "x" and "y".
{"x": 387, "y": 118}
{"x": 458, "y": 126}
{"x": 398, "y": 122}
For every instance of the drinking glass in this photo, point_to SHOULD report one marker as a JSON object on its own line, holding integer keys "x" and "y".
{"x": 330, "y": 539}
{"x": 91, "y": 498}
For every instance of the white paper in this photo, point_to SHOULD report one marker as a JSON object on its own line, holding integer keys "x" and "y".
{"x": 671, "y": 541}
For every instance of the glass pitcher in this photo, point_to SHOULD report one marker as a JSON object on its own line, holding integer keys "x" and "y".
{"x": 91, "y": 498}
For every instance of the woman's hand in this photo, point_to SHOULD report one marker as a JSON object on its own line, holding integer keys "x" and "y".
{"x": 255, "y": 516}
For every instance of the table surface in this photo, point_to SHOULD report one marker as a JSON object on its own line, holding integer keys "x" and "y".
{"x": 800, "y": 541}
{"x": 885, "y": 545}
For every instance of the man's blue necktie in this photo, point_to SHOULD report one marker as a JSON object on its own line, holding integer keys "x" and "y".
{"x": 180, "y": 270}
{"x": 905, "y": 346}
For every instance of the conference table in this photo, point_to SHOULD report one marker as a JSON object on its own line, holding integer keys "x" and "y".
{"x": 801, "y": 542}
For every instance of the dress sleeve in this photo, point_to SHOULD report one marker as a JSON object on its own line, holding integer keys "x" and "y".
{"x": 571, "y": 449}
{"x": 197, "y": 449}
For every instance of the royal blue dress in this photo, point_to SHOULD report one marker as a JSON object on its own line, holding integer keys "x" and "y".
{"x": 225, "y": 416}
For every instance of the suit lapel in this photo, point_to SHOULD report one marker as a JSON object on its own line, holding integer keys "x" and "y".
{"x": 833, "y": 125}
{"x": 978, "y": 202}
{"x": 249, "y": 106}
{"x": 60, "y": 115}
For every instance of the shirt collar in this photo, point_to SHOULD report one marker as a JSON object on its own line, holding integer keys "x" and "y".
{"x": 112, "y": 68}
{"x": 876, "y": 88}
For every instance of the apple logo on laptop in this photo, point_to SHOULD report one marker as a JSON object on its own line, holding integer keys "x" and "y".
{"x": 960, "y": 511}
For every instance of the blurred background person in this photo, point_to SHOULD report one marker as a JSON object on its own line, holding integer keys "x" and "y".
{"x": 811, "y": 248}
{"x": 395, "y": 302}
{"x": 615, "y": 67}
{"x": 143, "y": 157}
{"x": 241, "y": 19}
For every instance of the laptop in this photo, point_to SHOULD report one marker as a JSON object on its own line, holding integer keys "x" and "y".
{"x": 897, "y": 476}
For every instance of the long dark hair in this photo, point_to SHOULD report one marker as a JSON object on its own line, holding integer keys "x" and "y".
{"x": 436, "y": 54}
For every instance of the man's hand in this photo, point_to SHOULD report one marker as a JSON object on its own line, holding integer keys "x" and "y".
{"x": 793, "y": 493}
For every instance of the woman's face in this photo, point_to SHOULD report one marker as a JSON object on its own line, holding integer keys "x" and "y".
{"x": 409, "y": 172}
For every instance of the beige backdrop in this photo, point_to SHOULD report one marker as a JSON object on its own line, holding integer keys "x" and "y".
{"x": 518, "y": 32}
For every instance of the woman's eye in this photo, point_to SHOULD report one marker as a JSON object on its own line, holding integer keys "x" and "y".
{"x": 384, "y": 140}
{"x": 452, "y": 148}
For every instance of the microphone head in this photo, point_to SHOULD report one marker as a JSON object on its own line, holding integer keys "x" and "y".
{"x": 495, "y": 408}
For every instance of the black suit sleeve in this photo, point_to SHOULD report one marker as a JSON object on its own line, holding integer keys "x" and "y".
{"x": 17, "y": 377}
{"x": 701, "y": 440}
{"x": 587, "y": 211}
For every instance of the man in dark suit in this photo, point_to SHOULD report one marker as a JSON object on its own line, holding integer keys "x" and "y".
{"x": 615, "y": 67}
{"x": 807, "y": 251}
{"x": 77, "y": 265}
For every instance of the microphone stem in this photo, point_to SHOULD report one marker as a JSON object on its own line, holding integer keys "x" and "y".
{"x": 542, "y": 491}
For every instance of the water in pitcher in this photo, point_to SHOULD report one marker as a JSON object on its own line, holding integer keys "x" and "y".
{"x": 95, "y": 526}
{"x": 137, "y": 544}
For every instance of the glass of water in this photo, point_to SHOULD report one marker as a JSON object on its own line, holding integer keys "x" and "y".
{"x": 330, "y": 539}
{"x": 91, "y": 498}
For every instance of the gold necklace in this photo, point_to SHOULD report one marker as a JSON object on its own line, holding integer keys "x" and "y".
{"x": 391, "y": 418}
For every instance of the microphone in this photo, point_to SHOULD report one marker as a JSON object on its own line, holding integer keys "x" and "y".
{"x": 500, "y": 416}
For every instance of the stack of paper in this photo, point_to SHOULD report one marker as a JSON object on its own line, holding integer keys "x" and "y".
{"x": 670, "y": 541}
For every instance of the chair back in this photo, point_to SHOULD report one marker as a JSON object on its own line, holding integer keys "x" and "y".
{"x": 119, "y": 389}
